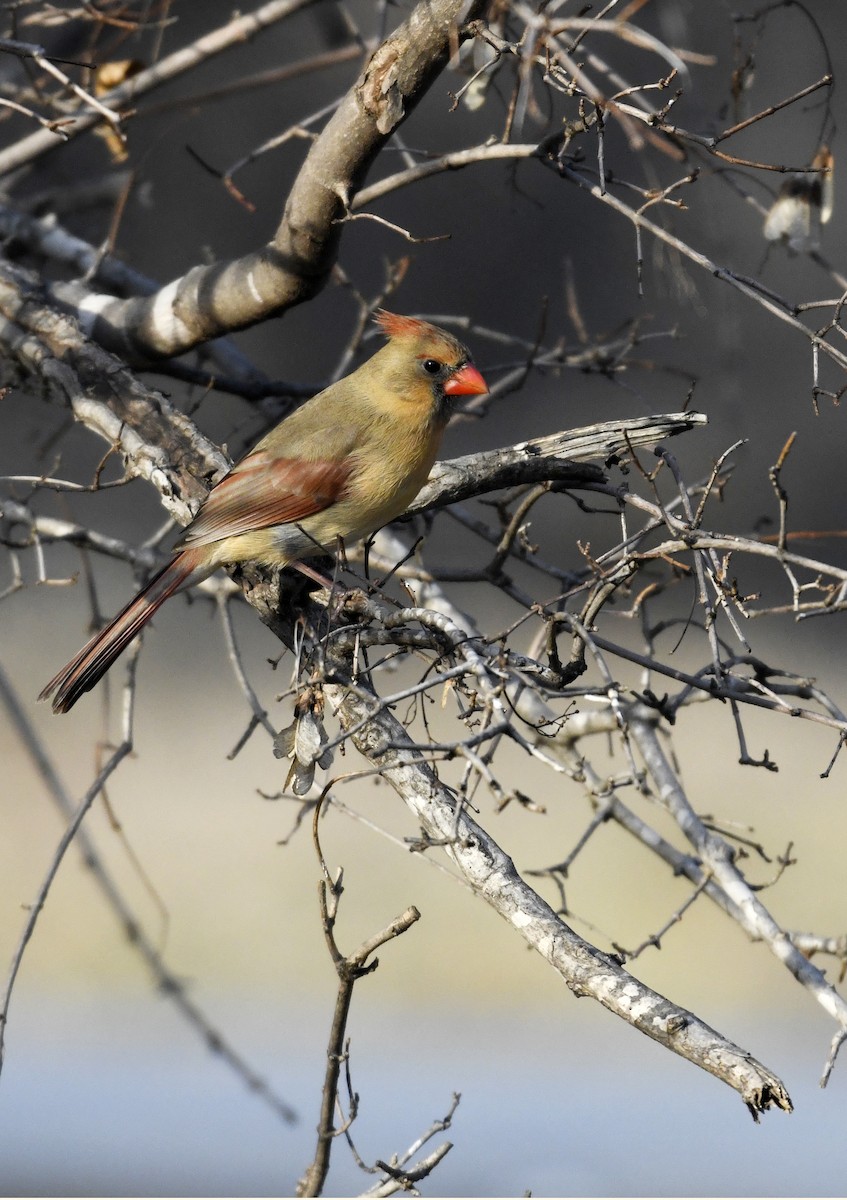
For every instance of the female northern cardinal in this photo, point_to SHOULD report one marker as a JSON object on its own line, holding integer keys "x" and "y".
{"x": 350, "y": 460}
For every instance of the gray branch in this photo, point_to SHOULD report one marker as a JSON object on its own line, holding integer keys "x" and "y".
{"x": 235, "y": 32}
{"x": 548, "y": 458}
{"x": 160, "y": 444}
{"x": 719, "y": 859}
{"x": 155, "y": 440}
{"x": 493, "y": 876}
{"x": 295, "y": 264}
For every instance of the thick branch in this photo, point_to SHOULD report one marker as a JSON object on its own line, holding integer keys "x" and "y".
{"x": 492, "y": 875}
{"x": 295, "y": 264}
{"x": 551, "y": 457}
{"x": 156, "y": 441}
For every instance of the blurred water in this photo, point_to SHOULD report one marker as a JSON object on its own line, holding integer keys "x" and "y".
{"x": 117, "y": 1100}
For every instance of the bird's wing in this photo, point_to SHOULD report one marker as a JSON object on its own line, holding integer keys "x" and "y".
{"x": 263, "y": 490}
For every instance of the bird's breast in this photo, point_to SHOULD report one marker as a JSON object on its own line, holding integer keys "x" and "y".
{"x": 388, "y": 468}
{"x": 384, "y": 480}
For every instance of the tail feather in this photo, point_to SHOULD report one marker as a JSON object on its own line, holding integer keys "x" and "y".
{"x": 92, "y": 662}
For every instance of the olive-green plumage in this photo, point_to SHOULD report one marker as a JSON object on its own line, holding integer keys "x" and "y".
{"x": 348, "y": 461}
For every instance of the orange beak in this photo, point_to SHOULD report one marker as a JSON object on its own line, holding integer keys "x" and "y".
{"x": 467, "y": 381}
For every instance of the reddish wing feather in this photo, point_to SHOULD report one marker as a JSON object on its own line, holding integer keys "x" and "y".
{"x": 262, "y": 491}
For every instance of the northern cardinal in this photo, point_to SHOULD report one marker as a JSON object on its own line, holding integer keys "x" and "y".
{"x": 348, "y": 461}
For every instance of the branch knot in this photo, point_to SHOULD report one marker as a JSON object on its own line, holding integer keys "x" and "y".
{"x": 379, "y": 90}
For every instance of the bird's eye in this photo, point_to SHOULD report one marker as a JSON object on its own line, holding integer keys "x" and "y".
{"x": 432, "y": 366}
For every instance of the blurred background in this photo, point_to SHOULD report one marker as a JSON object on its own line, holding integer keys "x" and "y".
{"x": 105, "y": 1089}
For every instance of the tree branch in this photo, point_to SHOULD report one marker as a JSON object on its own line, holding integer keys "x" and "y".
{"x": 714, "y": 853}
{"x": 234, "y": 33}
{"x": 492, "y": 876}
{"x": 551, "y": 457}
{"x": 211, "y": 300}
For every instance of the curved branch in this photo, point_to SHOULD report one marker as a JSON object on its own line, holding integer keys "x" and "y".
{"x": 160, "y": 444}
{"x": 493, "y": 876}
{"x": 157, "y": 442}
{"x": 456, "y": 160}
{"x": 211, "y": 300}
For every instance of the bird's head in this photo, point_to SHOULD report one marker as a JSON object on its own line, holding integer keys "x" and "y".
{"x": 423, "y": 361}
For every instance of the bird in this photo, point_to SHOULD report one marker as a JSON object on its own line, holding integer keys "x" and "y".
{"x": 348, "y": 461}
{"x": 803, "y": 205}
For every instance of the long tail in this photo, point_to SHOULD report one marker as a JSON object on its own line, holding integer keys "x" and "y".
{"x": 93, "y": 661}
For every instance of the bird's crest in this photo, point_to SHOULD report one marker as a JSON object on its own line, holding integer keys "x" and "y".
{"x": 393, "y": 325}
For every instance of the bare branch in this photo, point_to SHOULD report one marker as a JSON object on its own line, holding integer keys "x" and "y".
{"x": 550, "y": 457}
{"x": 586, "y": 970}
{"x": 713, "y": 850}
{"x": 295, "y": 265}
{"x": 167, "y": 982}
{"x": 233, "y": 33}
{"x": 350, "y": 969}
